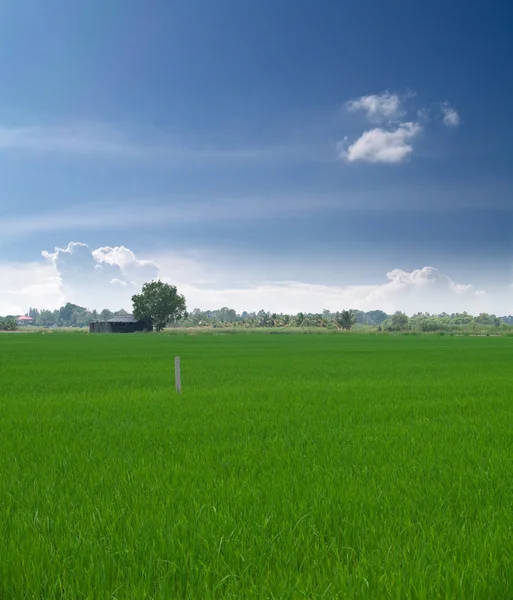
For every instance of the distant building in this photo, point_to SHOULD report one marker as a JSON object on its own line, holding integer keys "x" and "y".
{"x": 23, "y": 320}
{"x": 120, "y": 324}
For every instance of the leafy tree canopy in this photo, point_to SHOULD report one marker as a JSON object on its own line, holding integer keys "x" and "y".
{"x": 8, "y": 323}
{"x": 345, "y": 319}
{"x": 159, "y": 302}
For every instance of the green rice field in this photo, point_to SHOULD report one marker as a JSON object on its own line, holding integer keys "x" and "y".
{"x": 291, "y": 466}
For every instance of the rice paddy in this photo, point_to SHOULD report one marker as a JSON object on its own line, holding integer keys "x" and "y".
{"x": 291, "y": 466}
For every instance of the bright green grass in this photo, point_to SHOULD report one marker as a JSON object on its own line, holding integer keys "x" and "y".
{"x": 315, "y": 466}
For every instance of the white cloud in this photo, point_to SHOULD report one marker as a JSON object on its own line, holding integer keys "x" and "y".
{"x": 378, "y": 107}
{"x": 133, "y": 269}
{"x": 28, "y": 284}
{"x": 423, "y": 290}
{"x": 391, "y": 142}
{"x": 381, "y": 146}
{"x": 424, "y": 114}
{"x": 108, "y": 274}
{"x": 104, "y": 278}
{"x": 451, "y": 118}
{"x": 427, "y": 289}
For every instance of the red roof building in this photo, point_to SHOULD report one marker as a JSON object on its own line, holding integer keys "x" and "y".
{"x": 23, "y": 320}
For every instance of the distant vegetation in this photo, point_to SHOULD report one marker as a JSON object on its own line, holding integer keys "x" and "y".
{"x": 164, "y": 306}
{"x": 8, "y": 324}
{"x": 72, "y": 315}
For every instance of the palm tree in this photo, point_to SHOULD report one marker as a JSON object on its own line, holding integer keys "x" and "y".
{"x": 345, "y": 319}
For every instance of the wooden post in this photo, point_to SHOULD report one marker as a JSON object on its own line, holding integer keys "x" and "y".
{"x": 178, "y": 377}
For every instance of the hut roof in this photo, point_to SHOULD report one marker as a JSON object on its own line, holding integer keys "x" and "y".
{"x": 123, "y": 319}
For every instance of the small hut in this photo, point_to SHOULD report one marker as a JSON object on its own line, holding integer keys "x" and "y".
{"x": 120, "y": 324}
{"x": 24, "y": 320}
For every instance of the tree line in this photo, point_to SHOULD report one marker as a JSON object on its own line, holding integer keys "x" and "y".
{"x": 72, "y": 315}
{"x": 346, "y": 320}
{"x": 69, "y": 315}
{"x": 161, "y": 304}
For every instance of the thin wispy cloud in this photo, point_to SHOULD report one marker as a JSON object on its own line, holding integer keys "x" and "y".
{"x": 104, "y": 141}
{"x": 81, "y": 140}
{"x": 451, "y": 118}
{"x": 392, "y": 142}
{"x": 378, "y": 107}
{"x": 167, "y": 211}
{"x": 184, "y": 211}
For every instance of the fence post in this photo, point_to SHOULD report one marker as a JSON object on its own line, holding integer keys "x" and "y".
{"x": 178, "y": 377}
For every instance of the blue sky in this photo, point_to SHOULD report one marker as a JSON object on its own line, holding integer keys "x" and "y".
{"x": 241, "y": 147}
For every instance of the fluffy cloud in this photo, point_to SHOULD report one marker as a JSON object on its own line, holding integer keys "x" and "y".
{"x": 392, "y": 141}
{"x": 419, "y": 290}
{"x": 134, "y": 270}
{"x": 427, "y": 289}
{"x": 451, "y": 118}
{"x": 378, "y": 107}
{"x": 28, "y": 284}
{"x": 106, "y": 276}
{"x": 380, "y": 145}
{"x": 109, "y": 276}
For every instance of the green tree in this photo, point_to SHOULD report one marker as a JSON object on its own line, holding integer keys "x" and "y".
{"x": 8, "y": 323}
{"x": 264, "y": 319}
{"x": 80, "y": 317}
{"x": 397, "y": 322}
{"x": 345, "y": 319}
{"x": 34, "y": 313}
{"x": 160, "y": 303}
{"x": 226, "y": 315}
{"x": 69, "y": 313}
{"x": 486, "y": 319}
{"x": 46, "y": 318}
{"x": 375, "y": 317}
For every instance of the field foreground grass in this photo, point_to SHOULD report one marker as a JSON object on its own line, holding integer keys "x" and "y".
{"x": 290, "y": 466}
